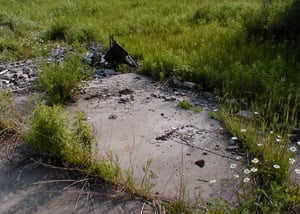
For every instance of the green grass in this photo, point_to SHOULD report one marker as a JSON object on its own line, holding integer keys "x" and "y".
{"x": 247, "y": 52}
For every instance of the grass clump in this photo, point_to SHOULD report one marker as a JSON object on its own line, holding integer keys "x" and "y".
{"x": 60, "y": 80}
{"x": 52, "y": 135}
{"x": 185, "y": 104}
{"x": 270, "y": 153}
{"x": 10, "y": 119}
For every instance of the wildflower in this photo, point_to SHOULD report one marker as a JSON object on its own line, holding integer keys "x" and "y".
{"x": 278, "y": 140}
{"x": 297, "y": 171}
{"x": 256, "y": 112}
{"x": 279, "y": 136}
{"x": 298, "y": 143}
{"x": 233, "y": 166}
{"x": 253, "y": 169}
{"x": 271, "y": 132}
{"x": 236, "y": 176}
{"x": 254, "y": 160}
{"x": 234, "y": 138}
{"x": 292, "y": 161}
{"x": 246, "y": 180}
{"x": 276, "y": 166}
{"x": 243, "y": 130}
{"x": 247, "y": 171}
{"x": 259, "y": 144}
{"x": 212, "y": 181}
{"x": 238, "y": 157}
{"x": 293, "y": 149}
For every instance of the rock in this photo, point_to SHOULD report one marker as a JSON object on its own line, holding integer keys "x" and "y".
{"x": 170, "y": 98}
{"x": 112, "y": 116}
{"x": 2, "y": 67}
{"x": 232, "y": 148}
{"x": 125, "y": 99}
{"x": 126, "y": 91}
{"x": 176, "y": 82}
{"x": 27, "y": 70}
{"x": 3, "y": 71}
{"x": 200, "y": 163}
{"x": 189, "y": 85}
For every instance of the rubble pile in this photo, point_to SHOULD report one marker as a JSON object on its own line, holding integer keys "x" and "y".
{"x": 17, "y": 76}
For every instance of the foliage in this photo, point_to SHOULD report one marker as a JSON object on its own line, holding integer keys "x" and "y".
{"x": 52, "y": 135}
{"x": 10, "y": 119}
{"x": 59, "y": 80}
{"x": 184, "y": 104}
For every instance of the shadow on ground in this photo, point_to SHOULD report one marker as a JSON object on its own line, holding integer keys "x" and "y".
{"x": 29, "y": 186}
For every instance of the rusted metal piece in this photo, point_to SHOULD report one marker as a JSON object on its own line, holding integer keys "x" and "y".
{"x": 115, "y": 55}
{"x": 118, "y": 55}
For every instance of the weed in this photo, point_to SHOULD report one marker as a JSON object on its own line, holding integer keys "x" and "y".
{"x": 59, "y": 81}
{"x": 52, "y": 135}
{"x": 184, "y": 104}
{"x": 10, "y": 119}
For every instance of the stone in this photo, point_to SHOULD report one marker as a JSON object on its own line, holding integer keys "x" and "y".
{"x": 189, "y": 85}
{"x": 112, "y": 116}
{"x": 200, "y": 163}
{"x": 232, "y": 148}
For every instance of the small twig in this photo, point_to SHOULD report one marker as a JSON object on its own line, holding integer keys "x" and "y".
{"x": 83, "y": 186}
{"x": 75, "y": 182}
{"x": 52, "y": 181}
{"x": 142, "y": 210}
{"x": 56, "y": 167}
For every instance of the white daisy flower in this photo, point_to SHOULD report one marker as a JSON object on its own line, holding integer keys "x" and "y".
{"x": 246, "y": 180}
{"x": 238, "y": 157}
{"x": 234, "y": 138}
{"x": 243, "y": 130}
{"x": 297, "y": 171}
{"x": 254, "y": 160}
{"x": 232, "y": 166}
{"x": 247, "y": 171}
{"x": 256, "y": 112}
{"x": 253, "y": 169}
{"x": 276, "y": 166}
{"x": 292, "y": 161}
{"x": 278, "y": 140}
{"x": 298, "y": 143}
{"x": 259, "y": 144}
{"x": 293, "y": 149}
{"x": 236, "y": 176}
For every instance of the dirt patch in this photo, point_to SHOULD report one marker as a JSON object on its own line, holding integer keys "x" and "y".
{"x": 140, "y": 120}
{"x": 29, "y": 186}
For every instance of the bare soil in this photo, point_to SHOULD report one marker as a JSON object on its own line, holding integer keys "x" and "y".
{"x": 28, "y": 185}
{"x": 139, "y": 120}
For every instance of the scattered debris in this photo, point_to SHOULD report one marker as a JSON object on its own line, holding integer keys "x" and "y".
{"x": 17, "y": 76}
{"x": 115, "y": 55}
